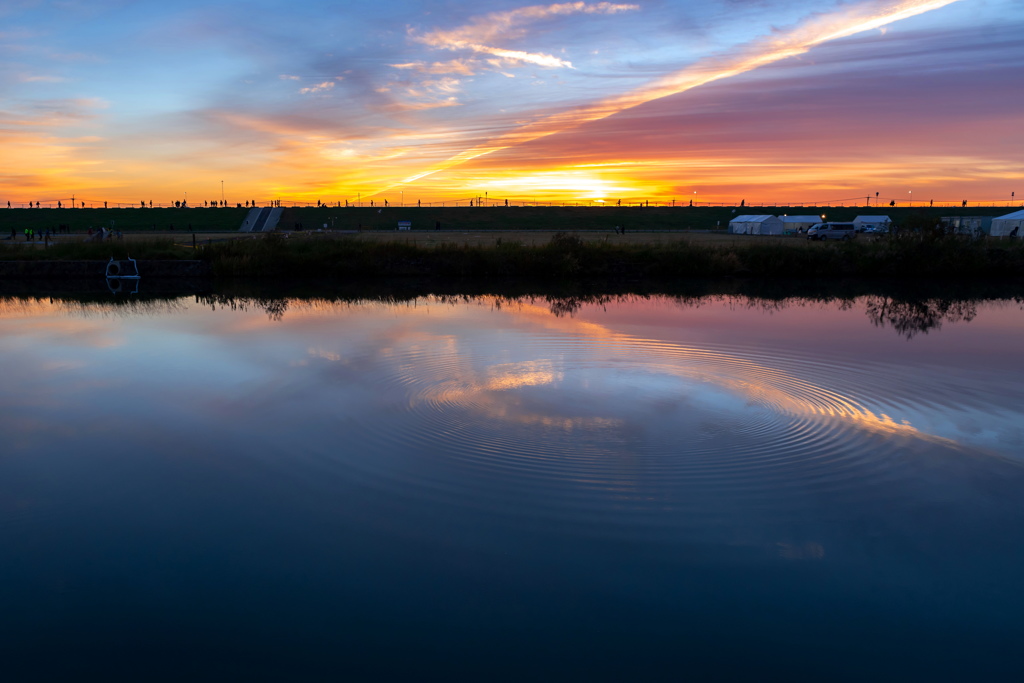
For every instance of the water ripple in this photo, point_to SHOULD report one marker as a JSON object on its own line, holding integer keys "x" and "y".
{"x": 573, "y": 423}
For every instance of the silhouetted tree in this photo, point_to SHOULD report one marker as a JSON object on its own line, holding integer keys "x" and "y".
{"x": 912, "y": 317}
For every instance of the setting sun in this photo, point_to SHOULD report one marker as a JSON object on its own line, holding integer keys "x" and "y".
{"x": 772, "y": 102}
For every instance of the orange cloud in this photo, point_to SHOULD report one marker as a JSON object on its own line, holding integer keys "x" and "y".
{"x": 475, "y": 36}
{"x": 319, "y": 87}
{"x": 783, "y": 45}
{"x": 460, "y": 67}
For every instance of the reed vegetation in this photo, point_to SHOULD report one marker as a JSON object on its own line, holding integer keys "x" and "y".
{"x": 566, "y": 257}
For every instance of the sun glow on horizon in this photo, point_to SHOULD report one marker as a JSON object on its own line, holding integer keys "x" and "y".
{"x": 549, "y": 102}
{"x": 820, "y": 28}
{"x": 574, "y": 183}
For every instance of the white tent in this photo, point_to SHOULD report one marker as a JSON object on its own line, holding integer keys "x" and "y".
{"x": 968, "y": 225}
{"x": 799, "y": 222}
{"x": 1005, "y": 225}
{"x": 862, "y": 223}
{"x": 755, "y": 225}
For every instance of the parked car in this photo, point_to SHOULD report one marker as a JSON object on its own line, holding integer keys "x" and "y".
{"x": 832, "y": 231}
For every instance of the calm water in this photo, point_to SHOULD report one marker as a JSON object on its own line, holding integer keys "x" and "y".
{"x": 502, "y": 489}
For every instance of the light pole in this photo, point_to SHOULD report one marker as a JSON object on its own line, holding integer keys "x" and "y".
{"x": 910, "y": 197}
{"x": 222, "y": 192}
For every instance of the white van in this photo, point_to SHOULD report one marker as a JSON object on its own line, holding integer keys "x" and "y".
{"x": 832, "y": 231}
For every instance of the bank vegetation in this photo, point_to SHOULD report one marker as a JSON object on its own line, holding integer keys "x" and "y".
{"x": 566, "y": 257}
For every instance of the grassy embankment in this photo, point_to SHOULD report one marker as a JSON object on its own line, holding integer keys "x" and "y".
{"x": 577, "y": 219}
{"x": 566, "y": 219}
{"x": 81, "y": 221}
{"x": 595, "y": 256}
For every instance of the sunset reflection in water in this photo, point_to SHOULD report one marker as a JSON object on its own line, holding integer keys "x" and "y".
{"x": 546, "y": 475}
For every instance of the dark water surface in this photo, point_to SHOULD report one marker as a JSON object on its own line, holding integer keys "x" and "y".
{"x": 488, "y": 488}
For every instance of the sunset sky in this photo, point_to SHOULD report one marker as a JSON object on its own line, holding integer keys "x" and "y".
{"x": 712, "y": 100}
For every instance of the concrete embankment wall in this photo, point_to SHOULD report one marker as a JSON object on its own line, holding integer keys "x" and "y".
{"x": 98, "y": 269}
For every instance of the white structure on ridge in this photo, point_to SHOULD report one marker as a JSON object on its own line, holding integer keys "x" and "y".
{"x": 968, "y": 225}
{"x": 800, "y": 222}
{"x": 756, "y": 225}
{"x": 862, "y": 223}
{"x": 1005, "y": 225}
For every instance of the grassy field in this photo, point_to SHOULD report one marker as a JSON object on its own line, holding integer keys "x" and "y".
{"x": 427, "y": 239}
{"x": 482, "y": 238}
{"x": 569, "y": 219}
{"x": 583, "y": 219}
{"x": 482, "y": 244}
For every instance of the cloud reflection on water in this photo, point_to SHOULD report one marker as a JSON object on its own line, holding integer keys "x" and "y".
{"x": 481, "y": 354}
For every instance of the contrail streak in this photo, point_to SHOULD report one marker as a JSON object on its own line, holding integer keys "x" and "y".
{"x": 798, "y": 40}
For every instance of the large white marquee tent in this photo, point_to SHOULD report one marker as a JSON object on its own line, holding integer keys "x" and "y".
{"x": 800, "y": 222}
{"x": 1005, "y": 225}
{"x": 756, "y": 225}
